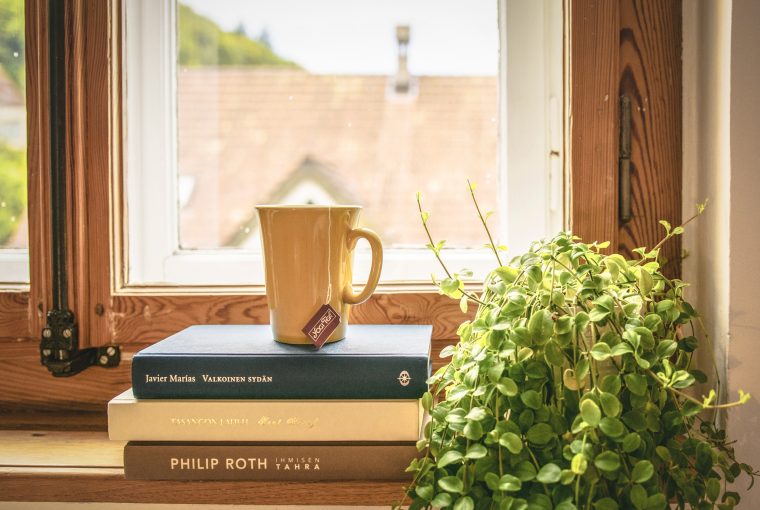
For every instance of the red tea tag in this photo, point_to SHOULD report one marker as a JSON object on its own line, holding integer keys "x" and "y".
{"x": 321, "y": 326}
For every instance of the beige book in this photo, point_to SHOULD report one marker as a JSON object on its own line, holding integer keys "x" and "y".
{"x": 130, "y": 419}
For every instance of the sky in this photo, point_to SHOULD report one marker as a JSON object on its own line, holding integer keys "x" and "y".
{"x": 448, "y": 37}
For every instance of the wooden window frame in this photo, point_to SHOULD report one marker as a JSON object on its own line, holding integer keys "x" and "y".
{"x": 600, "y": 46}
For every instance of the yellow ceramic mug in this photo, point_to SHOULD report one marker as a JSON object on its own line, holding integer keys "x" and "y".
{"x": 308, "y": 258}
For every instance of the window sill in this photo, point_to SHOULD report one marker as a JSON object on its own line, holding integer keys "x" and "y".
{"x": 87, "y": 467}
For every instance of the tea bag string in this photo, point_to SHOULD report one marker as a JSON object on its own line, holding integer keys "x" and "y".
{"x": 329, "y": 256}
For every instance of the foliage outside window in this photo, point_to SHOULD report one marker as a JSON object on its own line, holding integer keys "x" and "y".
{"x": 12, "y": 126}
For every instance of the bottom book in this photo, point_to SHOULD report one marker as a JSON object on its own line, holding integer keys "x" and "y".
{"x": 268, "y": 461}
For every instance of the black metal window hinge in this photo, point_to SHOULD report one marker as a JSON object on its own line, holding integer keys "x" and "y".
{"x": 59, "y": 347}
{"x": 624, "y": 161}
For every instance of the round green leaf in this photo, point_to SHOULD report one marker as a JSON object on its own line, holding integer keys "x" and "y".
{"x": 442, "y": 500}
{"x": 511, "y": 442}
{"x": 600, "y": 351}
{"x": 635, "y": 420}
{"x": 563, "y": 325}
{"x": 553, "y": 353}
{"x": 636, "y": 383}
{"x": 525, "y": 471}
{"x": 473, "y": 430}
{"x": 476, "y": 451}
{"x": 424, "y": 491}
{"x": 713, "y": 489}
{"x": 612, "y": 427}
{"x": 531, "y": 399}
{"x": 657, "y": 501}
{"x": 549, "y": 473}
{"x": 606, "y": 504}
{"x": 610, "y": 404}
{"x": 642, "y": 471}
{"x": 631, "y": 442}
{"x": 666, "y": 348}
{"x": 638, "y": 497}
{"x": 449, "y": 457}
{"x": 590, "y": 412}
{"x": 464, "y": 503}
{"x": 477, "y": 414}
{"x": 507, "y": 386}
{"x": 540, "y": 434}
{"x": 663, "y": 453}
{"x": 610, "y": 384}
{"x": 607, "y": 461}
{"x": 579, "y": 464}
{"x": 427, "y": 401}
{"x": 565, "y": 505}
{"x": 451, "y": 484}
{"x": 566, "y": 477}
{"x": 509, "y": 483}
{"x": 541, "y": 326}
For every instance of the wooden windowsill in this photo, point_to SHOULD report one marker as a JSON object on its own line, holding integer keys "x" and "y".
{"x": 69, "y": 466}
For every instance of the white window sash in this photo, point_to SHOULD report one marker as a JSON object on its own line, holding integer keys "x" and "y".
{"x": 14, "y": 267}
{"x": 530, "y": 146}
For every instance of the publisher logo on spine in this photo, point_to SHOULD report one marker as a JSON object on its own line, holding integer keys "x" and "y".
{"x": 404, "y": 378}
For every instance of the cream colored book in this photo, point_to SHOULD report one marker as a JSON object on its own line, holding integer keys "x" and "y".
{"x": 130, "y": 419}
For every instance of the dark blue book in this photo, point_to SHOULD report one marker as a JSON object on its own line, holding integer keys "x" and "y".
{"x": 239, "y": 362}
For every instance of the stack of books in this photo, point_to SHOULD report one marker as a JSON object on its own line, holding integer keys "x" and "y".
{"x": 229, "y": 403}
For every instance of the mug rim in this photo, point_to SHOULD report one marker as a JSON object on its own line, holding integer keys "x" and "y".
{"x": 307, "y": 206}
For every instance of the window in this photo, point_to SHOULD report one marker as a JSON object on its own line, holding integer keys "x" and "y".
{"x": 14, "y": 257}
{"x": 235, "y": 103}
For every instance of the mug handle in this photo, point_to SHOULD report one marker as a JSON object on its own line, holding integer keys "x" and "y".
{"x": 377, "y": 264}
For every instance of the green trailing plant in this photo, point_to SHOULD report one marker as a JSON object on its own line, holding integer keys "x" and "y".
{"x": 572, "y": 388}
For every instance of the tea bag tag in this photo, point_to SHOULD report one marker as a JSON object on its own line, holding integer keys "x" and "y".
{"x": 320, "y": 327}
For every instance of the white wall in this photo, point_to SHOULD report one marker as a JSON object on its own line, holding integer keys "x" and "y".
{"x": 721, "y": 143}
{"x": 744, "y": 301}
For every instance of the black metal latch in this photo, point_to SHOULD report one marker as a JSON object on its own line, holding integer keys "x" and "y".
{"x": 59, "y": 348}
{"x": 624, "y": 161}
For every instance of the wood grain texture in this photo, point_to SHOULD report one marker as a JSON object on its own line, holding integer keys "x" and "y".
{"x": 38, "y": 163}
{"x": 35, "y": 465}
{"x": 650, "y": 74}
{"x": 89, "y": 140}
{"x": 26, "y": 384}
{"x": 108, "y": 485}
{"x": 56, "y": 420}
{"x": 147, "y": 318}
{"x": 14, "y": 315}
{"x": 593, "y": 102}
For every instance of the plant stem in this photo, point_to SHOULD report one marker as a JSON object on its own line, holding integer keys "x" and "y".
{"x": 483, "y": 221}
{"x": 692, "y": 399}
{"x": 569, "y": 270}
{"x": 667, "y": 237}
{"x": 469, "y": 295}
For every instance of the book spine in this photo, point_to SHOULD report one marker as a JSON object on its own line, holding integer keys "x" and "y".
{"x": 279, "y": 377}
{"x": 256, "y": 462}
{"x": 264, "y": 420}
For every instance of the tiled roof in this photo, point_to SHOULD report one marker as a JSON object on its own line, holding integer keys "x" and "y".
{"x": 242, "y": 132}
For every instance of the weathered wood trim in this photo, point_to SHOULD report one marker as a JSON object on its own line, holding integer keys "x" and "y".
{"x": 593, "y": 134}
{"x": 650, "y": 75}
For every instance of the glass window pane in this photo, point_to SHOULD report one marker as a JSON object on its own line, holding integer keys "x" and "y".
{"x": 13, "y": 218}
{"x": 342, "y": 101}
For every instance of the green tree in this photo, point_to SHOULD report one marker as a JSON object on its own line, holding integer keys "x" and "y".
{"x": 203, "y": 43}
{"x": 12, "y": 190}
{"x": 12, "y": 40}
{"x": 12, "y": 160}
